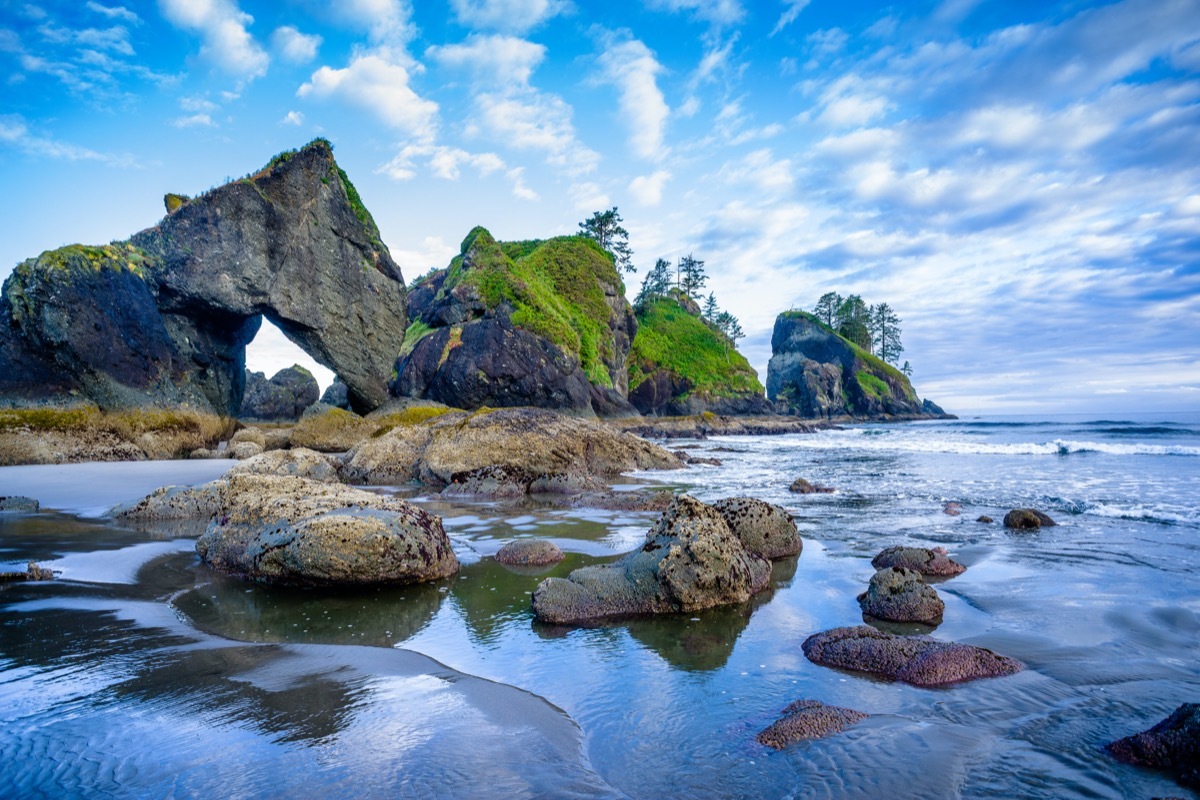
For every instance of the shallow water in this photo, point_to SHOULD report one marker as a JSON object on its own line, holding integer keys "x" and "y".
{"x": 140, "y": 673}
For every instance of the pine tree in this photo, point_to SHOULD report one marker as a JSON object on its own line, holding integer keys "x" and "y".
{"x": 710, "y": 308}
{"x": 885, "y": 327}
{"x": 656, "y": 284}
{"x": 907, "y": 369}
{"x": 690, "y": 275}
{"x": 605, "y": 228}
{"x": 827, "y": 308}
{"x": 853, "y": 321}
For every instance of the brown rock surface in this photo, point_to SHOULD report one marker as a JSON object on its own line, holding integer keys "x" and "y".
{"x": 807, "y": 719}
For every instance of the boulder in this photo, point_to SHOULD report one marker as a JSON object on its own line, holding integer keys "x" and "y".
{"x": 330, "y": 430}
{"x": 985, "y": 519}
{"x": 244, "y": 450}
{"x": 538, "y": 323}
{"x": 299, "y": 462}
{"x": 172, "y": 503}
{"x": 918, "y": 660}
{"x": 815, "y": 372}
{"x": 897, "y": 594}
{"x": 766, "y": 530}
{"x": 926, "y": 561}
{"x": 33, "y": 572}
{"x": 529, "y": 553}
{"x": 337, "y": 395}
{"x": 802, "y": 486}
{"x": 625, "y": 501}
{"x": 508, "y": 481}
{"x": 253, "y": 435}
{"x": 283, "y": 397}
{"x": 807, "y": 719}
{"x": 164, "y": 318}
{"x": 691, "y": 560}
{"x": 1027, "y": 519}
{"x": 1173, "y": 744}
{"x": 293, "y": 531}
{"x": 19, "y": 503}
{"x": 535, "y": 444}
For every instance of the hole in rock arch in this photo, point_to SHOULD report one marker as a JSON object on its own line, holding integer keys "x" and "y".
{"x": 271, "y": 351}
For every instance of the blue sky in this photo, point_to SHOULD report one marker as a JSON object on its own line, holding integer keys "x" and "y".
{"x": 1020, "y": 181}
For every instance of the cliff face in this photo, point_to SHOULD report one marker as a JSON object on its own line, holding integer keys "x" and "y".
{"x": 680, "y": 365}
{"x": 539, "y": 323}
{"x": 165, "y": 318}
{"x": 814, "y": 372}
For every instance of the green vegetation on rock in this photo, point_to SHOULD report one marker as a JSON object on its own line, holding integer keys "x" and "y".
{"x": 670, "y": 338}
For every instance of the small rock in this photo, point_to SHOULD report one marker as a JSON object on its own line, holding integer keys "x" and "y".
{"x": 985, "y": 519}
{"x": 807, "y": 719}
{"x": 249, "y": 435}
{"x": 1027, "y": 519}
{"x": 299, "y": 462}
{"x": 1173, "y": 744}
{"x": 897, "y": 594}
{"x": 801, "y": 486}
{"x": 204, "y": 452}
{"x": 529, "y": 553}
{"x": 18, "y": 503}
{"x": 244, "y": 450}
{"x": 917, "y": 660}
{"x": 952, "y": 509}
{"x": 32, "y": 572}
{"x": 927, "y": 561}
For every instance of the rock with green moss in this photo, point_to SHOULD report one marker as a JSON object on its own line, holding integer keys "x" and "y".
{"x": 681, "y": 365}
{"x": 538, "y": 323}
{"x": 814, "y": 372}
{"x": 164, "y": 319}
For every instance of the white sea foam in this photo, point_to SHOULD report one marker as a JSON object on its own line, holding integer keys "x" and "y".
{"x": 871, "y": 440}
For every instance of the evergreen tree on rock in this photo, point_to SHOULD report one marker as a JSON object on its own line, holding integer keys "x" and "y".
{"x": 605, "y": 227}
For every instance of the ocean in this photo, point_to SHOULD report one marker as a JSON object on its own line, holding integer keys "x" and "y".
{"x": 139, "y": 673}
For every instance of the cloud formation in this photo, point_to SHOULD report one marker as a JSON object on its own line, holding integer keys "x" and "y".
{"x": 222, "y": 27}
{"x": 380, "y": 88}
{"x": 631, "y": 67}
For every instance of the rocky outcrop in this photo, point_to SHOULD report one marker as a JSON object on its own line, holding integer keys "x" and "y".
{"x": 299, "y": 462}
{"x": 337, "y": 395}
{"x": 541, "y": 323}
{"x": 1173, "y": 744}
{"x": 919, "y": 660}
{"x": 535, "y": 444}
{"x": 764, "y": 528}
{"x": 923, "y": 560}
{"x": 529, "y": 553}
{"x": 807, "y": 719}
{"x": 32, "y": 572}
{"x": 814, "y": 372}
{"x": 282, "y": 398}
{"x": 897, "y": 594}
{"x": 168, "y": 503}
{"x": 681, "y": 364}
{"x": 164, "y": 319}
{"x": 1027, "y": 519}
{"x": 330, "y": 430}
{"x": 701, "y": 426}
{"x": 691, "y": 560}
{"x": 292, "y": 531}
{"x": 15, "y": 502}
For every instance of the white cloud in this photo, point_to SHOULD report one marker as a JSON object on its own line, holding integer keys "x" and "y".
{"x": 115, "y": 39}
{"x": 292, "y": 118}
{"x": 588, "y": 196}
{"x": 789, "y": 15}
{"x": 387, "y": 22}
{"x": 193, "y": 121}
{"x": 444, "y": 162}
{"x": 295, "y": 46}
{"x": 498, "y": 60}
{"x": 115, "y": 12}
{"x": 14, "y": 132}
{"x": 717, "y": 12}
{"x": 434, "y": 253}
{"x": 827, "y": 42}
{"x": 633, "y": 69}
{"x": 513, "y": 16}
{"x": 648, "y": 189}
{"x": 535, "y": 121}
{"x": 197, "y": 104}
{"x": 519, "y": 188}
{"x": 222, "y": 26}
{"x": 380, "y": 88}
{"x": 761, "y": 170}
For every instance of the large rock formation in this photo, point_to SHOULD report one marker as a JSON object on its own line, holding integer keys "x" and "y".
{"x": 814, "y": 372}
{"x": 1173, "y": 744}
{"x": 164, "y": 319}
{"x": 682, "y": 365}
{"x": 283, "y": 396}
{"x": 541, "y": 323}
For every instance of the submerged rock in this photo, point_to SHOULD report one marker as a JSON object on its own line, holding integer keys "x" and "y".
{"x": 173, "y": 503}
{"x": 918, "y": 660}
{"x": 952, "y": 509}
{"x": 19, "y": 503}
{"x": 927, "y": 561}
{"x": 985, "y": 519}
{"x": 529, "y": 553}
{"x": 1173, "y": 744}
{"x": 807, "y": 719}
{"x": 293, "y": 531}
{"x": 897, "y": 594}
{"x": 802, "y": 486}
{"x": 691, "y": 560}
{"x": 765, "y": 529}
{"x": 33, "y": 572}
{"x": 508, "y": 481}
{"x": 298, "y": 462}
{"x": 624, "y": 501}
{"x": 1027, "y": 519}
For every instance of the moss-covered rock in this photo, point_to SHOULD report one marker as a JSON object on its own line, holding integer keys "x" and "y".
{"x": 536, "y": 323}
{"x": 681, "y": 365}
{"x": 815, "y": 372}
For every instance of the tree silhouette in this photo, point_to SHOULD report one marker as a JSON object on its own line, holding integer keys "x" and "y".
{"x": 605, "y": 228}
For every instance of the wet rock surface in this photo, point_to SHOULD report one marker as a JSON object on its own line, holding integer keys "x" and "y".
{"x": 807, "y": 719}
{"x": 802, "y": 486}
{"x": 691, "y": 560}
{"x": 897, "y": 594}
{"x": 173, "y": 503}
{"x": 33, "y": 572}
{"x": 765, "y": 529}
{"x": 292, "y": 531}
{"x": 925, "y": 560}
{"x": 298, "y": 462}
{"x": 918, "y": 660}
{"x": 529, "y": 553}
{"x": 18, "y": 503}
{"x": 1027, "y": 519}
{"x": 1173, "y": 745}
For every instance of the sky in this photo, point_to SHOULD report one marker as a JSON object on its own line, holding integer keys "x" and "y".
{"x": 1019, "y": 181}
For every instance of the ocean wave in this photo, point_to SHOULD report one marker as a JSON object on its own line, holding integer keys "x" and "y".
{"x": 1143, "y": 513}
{"x": 1146, "y": 430}
{"x": 861, "y": 440}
